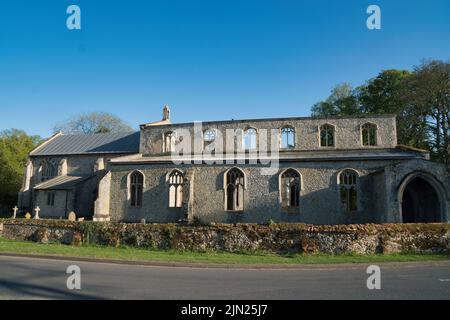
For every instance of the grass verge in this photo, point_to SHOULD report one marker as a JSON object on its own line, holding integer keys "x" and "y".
{"x": 136, "y": 254}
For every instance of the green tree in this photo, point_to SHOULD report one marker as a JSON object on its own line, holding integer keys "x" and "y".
{"x": 420, "y": 99}
{"x": 384, "y": 93}
{"x": 342, "y": 101}
{"x": 94, "y": 122}
{"x": 14, "y": 148}
{"x": 428, "y": 101}
{"x": 389, "y": 92}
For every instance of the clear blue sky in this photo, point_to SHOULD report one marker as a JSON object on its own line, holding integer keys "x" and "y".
{"x": 209, "y": 60}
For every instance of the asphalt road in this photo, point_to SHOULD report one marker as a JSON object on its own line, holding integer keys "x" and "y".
{"x": 35, "y": 278}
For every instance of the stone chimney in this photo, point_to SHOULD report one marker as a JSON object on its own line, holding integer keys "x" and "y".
{"x": 166, "y": 113}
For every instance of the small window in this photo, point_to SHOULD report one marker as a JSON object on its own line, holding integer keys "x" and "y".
{"x": 327, "y": 135}
{"x": 290, "y": 189}
{"x": 176, "y": 189}
{"x": 51, "y": 199}
{"x": 209, "y": 136}
{"x": 235, "y": 183}
{"x": 369, "y": 134}
{"x": 348, "y": 190}
{"x": 250, "y": 139}
{"x": 136, "y": 189}
{"x": 287, "y": 138}
{"x": 169, "y": 141}
{"x": 49, "y": 170}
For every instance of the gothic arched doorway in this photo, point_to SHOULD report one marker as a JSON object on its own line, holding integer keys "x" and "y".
{"x": 420, "y": 201}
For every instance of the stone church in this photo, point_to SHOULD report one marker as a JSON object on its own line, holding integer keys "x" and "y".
{"x": 334, "y": 170}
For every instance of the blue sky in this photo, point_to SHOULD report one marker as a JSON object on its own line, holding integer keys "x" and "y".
{"x": 209, "y": 60}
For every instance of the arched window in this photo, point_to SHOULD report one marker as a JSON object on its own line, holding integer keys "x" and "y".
{"x": 287, "y": 138}
{"x": 49, "y": 170}
{"x": 234, "y": 184}
{"x": 290, "y": 189}
{"x": 250, "y": 139}
{"x": 348, "y": 180}
{"x": 369, "y": 134}
{"x": 136, "y": 188}
{"x": 209, "y": 136}
{"x": 50, "y": 198}
{"x": 176, "y": 189}
{"x": 169, "y": 141}
{"x": 327, "y": 135}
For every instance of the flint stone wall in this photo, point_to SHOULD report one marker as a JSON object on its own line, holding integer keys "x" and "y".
{"x": 276, "y": 238}
{"x": 347, "y": 132}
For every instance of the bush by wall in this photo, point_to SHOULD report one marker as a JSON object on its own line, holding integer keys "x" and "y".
{"x": 277, "y": 238}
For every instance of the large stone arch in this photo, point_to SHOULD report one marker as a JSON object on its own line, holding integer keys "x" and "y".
{"x": 422, "y": 198}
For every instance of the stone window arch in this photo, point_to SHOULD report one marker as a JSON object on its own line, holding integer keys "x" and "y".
{"x": 169, "y": 141}
{"x": 430, "y": 205}
{"x": 250, "y": 139}
{"x": 209, "y": 137}
{"x": 234, "y": 185}
{"x": 287, "y": 138}
{"x": 136, "y": 181}
{"x": 290, "y": 184}
{"x": 348, "y": 180}
{"x": 369, "y": 134}
{"x": 49, "y": 170}
{"x": 327, "y": 135}
{"x": 175, "y": 180}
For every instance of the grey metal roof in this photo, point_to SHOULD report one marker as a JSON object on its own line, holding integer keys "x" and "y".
{"x": 90, "y": 144}
{"x": 61, "y": 183}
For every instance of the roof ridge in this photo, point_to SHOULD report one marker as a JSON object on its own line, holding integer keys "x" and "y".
{"x": 100, "y": 143}
{"x": 98, "y": 134}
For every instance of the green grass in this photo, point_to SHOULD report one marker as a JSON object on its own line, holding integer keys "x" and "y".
{"x": 135, "y": 254}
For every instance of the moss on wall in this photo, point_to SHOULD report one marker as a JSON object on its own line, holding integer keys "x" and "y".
{"x": 279, "y": 238}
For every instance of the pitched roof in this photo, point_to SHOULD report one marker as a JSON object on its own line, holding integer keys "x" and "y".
{"x": 62, "y": 144}
{"x": 60, "y": 183}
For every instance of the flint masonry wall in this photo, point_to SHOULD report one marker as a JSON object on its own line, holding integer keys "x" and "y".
{"x": 378, "y": 189}
{"x": 77, "y": 165}
{"x": 80, "y": 200}
{"x": 276, "y": 238}
{"x": 347, "y": 132}
{"x": 319, "y": 197}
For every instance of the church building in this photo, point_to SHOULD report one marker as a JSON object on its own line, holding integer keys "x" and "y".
{"x": 333, "y": 170}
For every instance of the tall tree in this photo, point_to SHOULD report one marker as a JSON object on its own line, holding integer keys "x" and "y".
{"x": 389, "y": 92}
{"x": 14, "y": 148}
{"x": 94, "y": 122}
{"x": 342, "y": 101}
{"x": 384, "y": 93}
{"x": 420, "y": 99}
{"x": 429, "y": 100}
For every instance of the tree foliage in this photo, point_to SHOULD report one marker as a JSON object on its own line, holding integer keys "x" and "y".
{"x": 420, "y": 99}
{"x": 14, "y": 148}
{"x": 429, "y": 103}
{"x": 94, "y": 122}
{"x": 342, "y": 101}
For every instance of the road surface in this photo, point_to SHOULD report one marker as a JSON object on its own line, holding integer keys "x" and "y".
{"x": 36, "y": 278}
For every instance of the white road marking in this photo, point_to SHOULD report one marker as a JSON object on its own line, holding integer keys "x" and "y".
{"x": 444, "y": 280}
